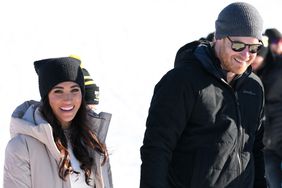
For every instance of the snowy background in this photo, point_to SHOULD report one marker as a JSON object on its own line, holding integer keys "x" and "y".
{"x": 126, "y": 45}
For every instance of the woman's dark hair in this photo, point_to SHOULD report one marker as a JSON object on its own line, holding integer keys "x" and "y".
{"x": 81, "y": 138}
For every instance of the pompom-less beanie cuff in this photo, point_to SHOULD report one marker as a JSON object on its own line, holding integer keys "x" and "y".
{"x": 56, "y": 70}
{"x": 239, "y": 19}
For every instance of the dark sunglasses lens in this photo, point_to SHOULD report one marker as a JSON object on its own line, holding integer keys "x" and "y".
{"x": 238, "y": 46}
{"x": 254, "y": 48}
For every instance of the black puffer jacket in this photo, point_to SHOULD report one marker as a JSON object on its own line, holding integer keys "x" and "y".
{"x": 200, "y": 131}
{"x": 272, "y": 81}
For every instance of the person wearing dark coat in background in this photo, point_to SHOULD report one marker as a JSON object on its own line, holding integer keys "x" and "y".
{"x": 204, "y": 128}
{"x": 259, "y": 64}
{"x": 271, "y": 77}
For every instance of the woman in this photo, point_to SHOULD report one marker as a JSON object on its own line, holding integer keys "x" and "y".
{"x": 57, "y": 142}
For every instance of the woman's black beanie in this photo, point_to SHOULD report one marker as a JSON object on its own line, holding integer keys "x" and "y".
{"x": 56, "y": 70}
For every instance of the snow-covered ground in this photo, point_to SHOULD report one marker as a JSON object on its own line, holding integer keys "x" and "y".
{"x": 126, "y": 45}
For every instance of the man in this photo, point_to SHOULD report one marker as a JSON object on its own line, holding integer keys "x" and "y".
{"x": 271, "y": 77}
{"x": 204, "y": 124}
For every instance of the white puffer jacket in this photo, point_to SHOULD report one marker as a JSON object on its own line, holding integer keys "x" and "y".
{"x": 32, "y": 158}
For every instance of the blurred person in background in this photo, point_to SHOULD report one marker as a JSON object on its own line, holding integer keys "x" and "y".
{"x": 91, "y": 90}
{"x": 259, "y": 63}
{"x": 271, "y": 77}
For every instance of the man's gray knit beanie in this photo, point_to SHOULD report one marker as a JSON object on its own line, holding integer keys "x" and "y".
{"x": 239, "y": 19}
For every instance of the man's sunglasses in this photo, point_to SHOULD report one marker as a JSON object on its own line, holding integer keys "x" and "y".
{"x": 238, "y": 46}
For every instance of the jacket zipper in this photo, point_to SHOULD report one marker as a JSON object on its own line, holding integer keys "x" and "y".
{"x": 240, "y": 129}
{"x": 240, "y": 136}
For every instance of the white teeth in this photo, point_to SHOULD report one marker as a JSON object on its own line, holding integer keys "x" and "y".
{"x": 239, "y": 60}
{"x": 67, "y": 108}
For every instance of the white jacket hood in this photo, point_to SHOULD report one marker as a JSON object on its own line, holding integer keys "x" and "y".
{"x": 28, "y": 120}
